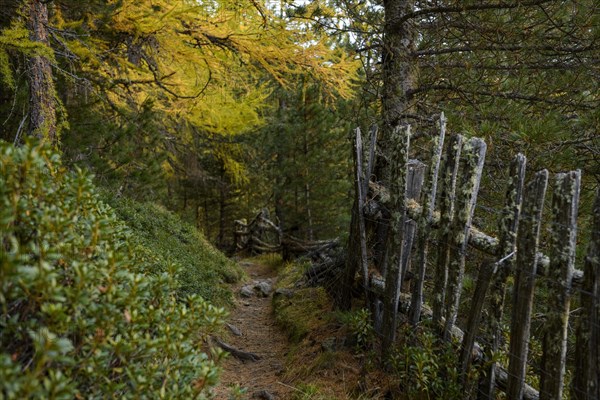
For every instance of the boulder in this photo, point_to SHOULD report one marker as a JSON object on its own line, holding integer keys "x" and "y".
{"x": 247, "y": 291}
{"x": 264, "y": 288}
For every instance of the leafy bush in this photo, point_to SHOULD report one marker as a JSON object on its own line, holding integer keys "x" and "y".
{"x": 204, "y": 270}
{"x": 360, "y": 327}
{"x": 426, "y": 366}
{"x": 84, "y": 312}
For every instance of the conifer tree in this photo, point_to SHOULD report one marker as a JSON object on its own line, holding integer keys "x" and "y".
{"x": 142, "y": 82}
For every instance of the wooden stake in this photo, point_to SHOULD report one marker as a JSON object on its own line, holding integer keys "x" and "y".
{"x": 527, "y": 247}
{"x": 563, "y": 235}
{"x": 466, "y": 198}
{"x": 424, "y": 224}
{"x": 447, "y": 190}
{"x": 360, "y": 195}
{"x": 401, "y": 143}
{"x": 586, "y": 379}
{"x": 506, "y": 251}
{"x": 414, "y": 185}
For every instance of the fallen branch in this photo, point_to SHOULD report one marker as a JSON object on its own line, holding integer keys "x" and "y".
{"x": 239, "y": 354}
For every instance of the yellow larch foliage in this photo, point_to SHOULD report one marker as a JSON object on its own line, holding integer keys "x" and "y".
{"x": 205, "y": 65}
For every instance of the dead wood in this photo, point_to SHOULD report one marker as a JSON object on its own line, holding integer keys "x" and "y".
{"x": 234, "y": 329}
{"x": 239, "y": 354}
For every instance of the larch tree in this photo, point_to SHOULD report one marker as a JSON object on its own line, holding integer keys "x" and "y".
{"x": 142, "y": 82}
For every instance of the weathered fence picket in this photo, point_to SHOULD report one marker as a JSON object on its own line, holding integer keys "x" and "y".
{"x": 486, "y": 272}
{"x": 473, "y": 156}
{"x": 371, "y": 157}
{"x": 563, "y": 231}
{"x": 507, "y": 245}
{"x": 401, "y": 143}
{"x": 527, "y": 243}
{"x": 424, "y": 224}
{"x": 447, "y": 190}
{"x": 360, "y": 196}
{"x": 586, "y": 380}
{"x": 414, "y": 184}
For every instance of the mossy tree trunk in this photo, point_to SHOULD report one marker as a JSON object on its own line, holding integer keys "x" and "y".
{"x": 42, "y": 95}
{"x": 399, "y": 75}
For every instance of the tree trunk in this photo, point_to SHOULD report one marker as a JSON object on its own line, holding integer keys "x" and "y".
{"x": 42, "y": 95}
{"x": 223, "y": 192}
{"x": 400, "y": 74}
{"x": 278, "y": 192}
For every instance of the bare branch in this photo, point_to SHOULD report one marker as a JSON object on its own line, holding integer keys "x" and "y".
{"x": 507, "y": 47}
{"x": 471, "y": 7}
{"x": 504, "y": 95}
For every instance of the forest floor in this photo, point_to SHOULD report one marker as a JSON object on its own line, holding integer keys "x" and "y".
{"x": 253, "y": 317}
{"x": 310, "y": 359}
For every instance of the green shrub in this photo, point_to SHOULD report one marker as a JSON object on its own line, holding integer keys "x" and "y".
{"x": 204, "y": 270}
{"x": 360, "y": 327}
{"x": 84, "y": 312}
{"x": 426, "y": 366}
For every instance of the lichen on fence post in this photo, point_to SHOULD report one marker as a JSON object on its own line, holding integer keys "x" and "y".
{"x": 400, "y": 142}
{"x": 370, "y": 157}
{"x": 586, "y": 379}
{"x": 360, "y": 196}
{"x": 506, "y": 251}
{"x": 414, "y": 185}
{"x": 466, "y": 197}
{"x": 424, "y": 224}
{"x": 563, "y": 235}
{"x": 526, "y": 265}
{"x": 447, "y": 190}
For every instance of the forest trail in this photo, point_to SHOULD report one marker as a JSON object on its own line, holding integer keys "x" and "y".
{"x": 253, "y": 317}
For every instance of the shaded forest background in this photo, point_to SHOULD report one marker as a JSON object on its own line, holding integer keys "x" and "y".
{"x": 218, "y": 109}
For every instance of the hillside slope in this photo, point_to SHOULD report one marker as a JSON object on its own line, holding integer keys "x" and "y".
{"x": 94, "y": 306}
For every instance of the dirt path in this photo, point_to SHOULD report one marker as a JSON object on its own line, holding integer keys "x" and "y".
{"x": 253, "y": 316}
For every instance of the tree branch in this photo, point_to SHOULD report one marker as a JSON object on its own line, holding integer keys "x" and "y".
{"x": 471, "y": 7}
{"x": 504, "y": 95}
{"x": 506, "y": 47}
{"x": 517, "y": 67}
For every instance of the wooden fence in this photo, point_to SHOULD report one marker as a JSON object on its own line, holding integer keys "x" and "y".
{"x": 263, "y": 236}
{"x": 438, "y": 202}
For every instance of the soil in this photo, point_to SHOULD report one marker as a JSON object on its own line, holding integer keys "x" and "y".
{"x": 283, "y": 370}
{"x": 253, "y": 316}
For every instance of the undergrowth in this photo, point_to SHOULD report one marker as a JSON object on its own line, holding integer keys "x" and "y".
{"x": 425, "y": 366}
{"x": 272, "y": 260}
{"x": 422, "y": 367}
{"x": 309, "y": 305}
{"x": 90, "y": 308}
{"x": 306, "y": 391}
{"x": 204, "y": 271}
{"x": 319, "y": 362}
